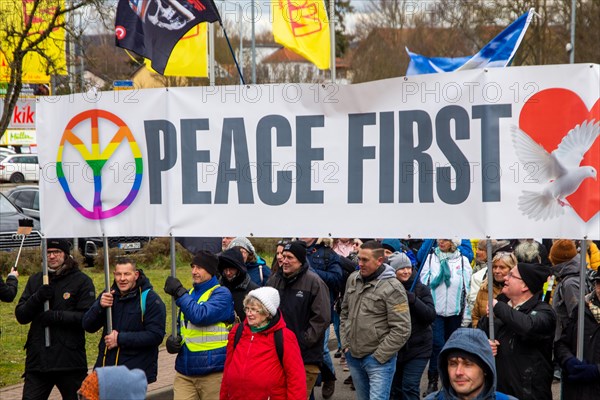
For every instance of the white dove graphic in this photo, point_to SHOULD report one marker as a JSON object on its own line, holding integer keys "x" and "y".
{"x": 559, "y": 171}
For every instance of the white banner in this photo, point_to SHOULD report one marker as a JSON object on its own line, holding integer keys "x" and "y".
{"x": 463, "y": 154}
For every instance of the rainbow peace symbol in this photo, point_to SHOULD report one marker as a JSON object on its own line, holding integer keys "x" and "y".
{"x": 96, "y": 159}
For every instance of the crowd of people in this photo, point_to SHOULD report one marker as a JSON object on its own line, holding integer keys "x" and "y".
{"x": 246, "y": 330}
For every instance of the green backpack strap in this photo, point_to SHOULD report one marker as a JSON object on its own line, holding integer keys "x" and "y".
{"x": 143, "y": 296}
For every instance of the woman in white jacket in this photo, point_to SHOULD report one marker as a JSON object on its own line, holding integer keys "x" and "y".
{"x": 448, "y": 274}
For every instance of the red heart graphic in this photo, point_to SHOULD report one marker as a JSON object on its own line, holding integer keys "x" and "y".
{"x": 547, "y": 117}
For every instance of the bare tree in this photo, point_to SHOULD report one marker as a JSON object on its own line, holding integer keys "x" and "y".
{"x": 30, "y": 35}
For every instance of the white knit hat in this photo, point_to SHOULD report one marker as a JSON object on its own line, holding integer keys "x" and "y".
{"x": 399, "y": 260}
{"x": 241, "y": 241}
{"x": 268, "y": 296}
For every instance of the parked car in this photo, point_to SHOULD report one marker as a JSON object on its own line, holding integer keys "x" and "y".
{"x": 5, "y": 151}
{"x": 26, "y": 197}
{"x": 18, "y": 168}
{"x": 9, "y": 224}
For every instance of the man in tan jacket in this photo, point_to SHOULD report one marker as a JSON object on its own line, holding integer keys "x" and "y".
{"x": 374, "y": 323}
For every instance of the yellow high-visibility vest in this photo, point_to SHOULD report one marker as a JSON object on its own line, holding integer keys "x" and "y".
{"x": 203, "y": 338}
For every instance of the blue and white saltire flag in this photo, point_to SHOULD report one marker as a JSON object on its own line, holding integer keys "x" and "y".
{"x": 499, "y": 52}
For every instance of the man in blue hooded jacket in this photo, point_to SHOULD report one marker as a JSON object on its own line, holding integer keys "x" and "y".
{"x": 467, "y": 368}
{"x": 206, "y": 312}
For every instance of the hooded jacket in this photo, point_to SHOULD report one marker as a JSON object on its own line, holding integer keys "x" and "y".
{"x": 139, "y": 336}
{"x": 239, "y": 287}
{"x": 73, "y": 296}
{"x": 475, "y": 343}
{"x": 566, "y": 294}
{"x": 524, "y": 358}
{"x": 253, "y": 371}
{"x": 375, "y": 316}
{"x": 422, "y": 315}
{"x": 306, "y": 309}
{"x": 254, "y": 269}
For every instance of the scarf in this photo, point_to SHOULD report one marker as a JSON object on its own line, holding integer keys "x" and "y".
{"x": 445, "y": 274}
{"x": 592, "y": 302}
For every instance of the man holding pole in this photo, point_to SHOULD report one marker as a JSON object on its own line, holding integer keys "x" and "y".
{"x": 61, "y": 360}
{"x": 206, "y": 312}
{"x": 138, "y": 321}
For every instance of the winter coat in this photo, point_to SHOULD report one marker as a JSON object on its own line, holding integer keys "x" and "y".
{"x": 524, "y": 359}
{"x": 326, "y": 263}
{"x": 481, "y": 301}
{"x": 8, "y": 290}
{"x": 566, "y": 294}
{"x": 73, "y": 296}
{"x": 593, "y": 256}
{"x": 218, "y": 308}
{"x": 239, "y": 288}
{"x": 422, "y": 315}
{"x": 465, "y": 248}
{"x": 256, "y": 353}
{"x": 449, "y": 301}
{"x": 375, "y": 316}
{"x": 306, "y": 309}
{"x": 139, "y": 336}
{"x": 254, "y": 269}
{"x": 468, "y": 340}
{"x": 566, "y": 347}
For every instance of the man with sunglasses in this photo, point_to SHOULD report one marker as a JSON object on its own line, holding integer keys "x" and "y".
{"x": 524, "y": 328}
{"x": 61, "y": 362}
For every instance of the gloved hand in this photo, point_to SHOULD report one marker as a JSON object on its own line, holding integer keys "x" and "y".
{"x": 174, "y": 344}
{"x": 585, "y": 373}
{"x": 51, "y": 317}
{"x": 174, "y": 287}
{"x": 411, "y": 297}
{"x": 570, "y": 365}
{"x": 45, "y": 292}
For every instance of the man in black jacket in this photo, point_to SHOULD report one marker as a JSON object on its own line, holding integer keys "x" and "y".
{"x": 70, "y": 293}
{"x": 305, "y": 306}
{"x": 235, "y": 278}
{"x": 8, "y": 290}
{"x": 524, "y": 327}
{"x": 138, "y": 321}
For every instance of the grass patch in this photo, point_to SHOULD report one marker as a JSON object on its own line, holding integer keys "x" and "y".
{"x": 154, "y": 259}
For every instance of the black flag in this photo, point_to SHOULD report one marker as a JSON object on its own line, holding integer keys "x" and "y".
{"x": 151, "y": 28}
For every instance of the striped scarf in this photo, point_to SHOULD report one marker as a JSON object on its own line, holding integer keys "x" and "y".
{"x": 593, "y": 305}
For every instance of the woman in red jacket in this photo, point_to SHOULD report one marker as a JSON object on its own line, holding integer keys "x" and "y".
{"x": 263, "y": 361}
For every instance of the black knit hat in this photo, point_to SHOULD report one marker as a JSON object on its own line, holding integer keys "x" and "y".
{"x": 298, "y": 249}
{"x": 207, "y": 261}
{"x": 60, "y": 244}
{"x": 534, "y": 275}
{"x": 232, "y": 258}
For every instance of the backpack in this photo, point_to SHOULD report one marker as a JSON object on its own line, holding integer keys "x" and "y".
{"x": 277, "y": 337}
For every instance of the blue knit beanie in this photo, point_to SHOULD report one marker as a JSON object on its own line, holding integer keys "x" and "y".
{"x": 120, "y": 383}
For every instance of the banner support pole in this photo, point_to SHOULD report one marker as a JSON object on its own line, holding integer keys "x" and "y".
{"x": 490, "y": 278}
{"x": 174, "y": 275}
{"x": 45, "y": 281}
{"x": 581, "y": 307}
{"x": 107, "y": 283}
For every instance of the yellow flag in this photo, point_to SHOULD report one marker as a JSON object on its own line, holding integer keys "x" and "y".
{"x": 190, "y": 55}
{"x": 14, "y": 14}
{"x": 303, "y": 26}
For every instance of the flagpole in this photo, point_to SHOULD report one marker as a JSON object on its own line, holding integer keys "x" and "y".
{"x": 233, "y": 54}
{"x": 332, "y": 38}
{"x": 573, "y": 15}
{"x": 211, "y": 58}
{"x": 252, "y": 12}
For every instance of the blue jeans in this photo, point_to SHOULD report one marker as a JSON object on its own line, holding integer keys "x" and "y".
{"x": 336, "y": 328}
{"x": 407, "y": 379}
{"x": 327, "y": 361}
{"x": 371, "y": 379}
{"x": 442, "y": 327}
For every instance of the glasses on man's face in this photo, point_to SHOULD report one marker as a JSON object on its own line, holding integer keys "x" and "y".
{"x": 50, "y": 253}
{"x": 510, "y": 275}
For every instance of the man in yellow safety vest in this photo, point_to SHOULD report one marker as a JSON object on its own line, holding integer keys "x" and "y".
{"x": 206, "y": 312}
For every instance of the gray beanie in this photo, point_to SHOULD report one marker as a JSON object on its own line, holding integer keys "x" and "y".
{"x": 399, "y": 260}
{"x": 243, "y": 242}
{"x": 121, "y": 383}
{"x": 268, "y": 296}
